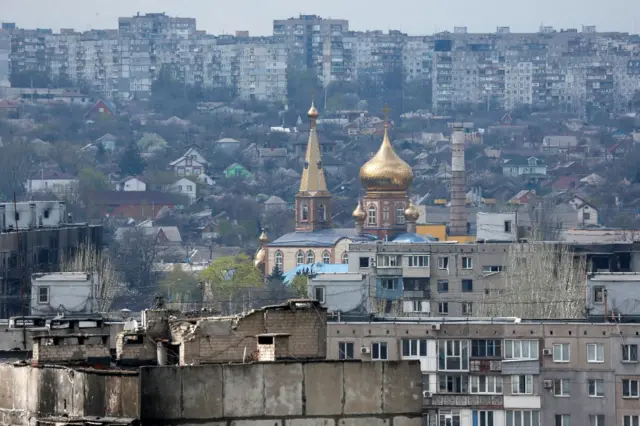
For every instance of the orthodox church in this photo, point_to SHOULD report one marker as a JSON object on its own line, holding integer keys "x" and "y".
{"x": 385, "y": 212}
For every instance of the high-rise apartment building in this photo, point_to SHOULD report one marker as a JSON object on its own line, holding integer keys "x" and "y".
{"x": 5, "y": 53}
{"x": 157, "y": 26}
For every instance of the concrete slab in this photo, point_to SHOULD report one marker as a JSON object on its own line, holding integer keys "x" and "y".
{"x": 310, "y": 422}
{"x": 323, "y": 389}
{"x": 92, "y": 396}
{"x": 402, "y": 387}
{"x": 363, "y": 421}
{"x": 243, "y": 390}
{"x": 283, "y": 389}
{"x": 256, "y": 423}
{"x": 130, "y": 396}
{"x": 7, "y": 389}
{"x": 363, "y": 388}
{"x": 407, "y": 421}
{"x": 156, "y": 402}
{"x": 202, "y": 392}
{"x": 112, "y": 396}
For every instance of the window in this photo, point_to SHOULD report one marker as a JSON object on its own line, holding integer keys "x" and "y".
{"x": 443, "y": 308}
{"x": 596, "y": 388}
{"x": 322, "y": 213}
{"x": 385, "y": 214}
{"x": 43, "y": 294}
{"x": 326, "y": 257}
{"x": 453, "y": 355}
{"x": 631, "y": 420}
{"x": 453, "y": 383}
{"x": 629, "y": 353}
{"x": 372, "y": 215}
{"x": 467, "y": 286}
{"x": 443, "y": 286}
{"x": 364, "y": 261}
{"x": 379, "y": 351}
{"x": 443, "y": 263}
{"x": 522, "y": 384}
{"x": 421, "y": 261}
{"x": 596, "y": 419}
{"x": 507, "y": 226}
{"x": 389, "y": 261}
{"x": 345, "y": 350}
{"x": 417, "y": 305}
{"x": 318, "y": 294}
{"x": 485, "y": 418}
{"x": 521, "y": 349}
{"x": 489, "y": 269}
{"x": 486, "y": 384}
{"x": 586, "y": 215}
{"x": 389, "y": 283}
{"x": 300, "y": 258}
{"x": 598, "y": 294}
{"x": 304, "y": 213}
{"x": 279, "y": 260}
{"x": 179, "y": 188}
{"x": 448, "y": 418}
{"x": 311, "y": 258}
{"x": 630, "y": 388}
{"x": 561, "y": 352}
{"x": 563, "y": 420}
{"x": 414, "y": 347}
{"x": 400, "y": 219}
{"x": 595, "y": 352}
{"x": 523, "y": 417}
{"x": 467, "y": 263}
{"x": 425, "y": 382}
{"x": 467, "y": 308}
{"x": 345, "y": 258}
{"x": 562, "y": 387}
{"x": 486, "y": 348}
{"x": 189, "y": 188}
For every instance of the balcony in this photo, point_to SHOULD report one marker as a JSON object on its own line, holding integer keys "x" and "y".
{"x": 444, "y": 400}
{"x": 395, "y": 271}
{"x": 485, "y": 366}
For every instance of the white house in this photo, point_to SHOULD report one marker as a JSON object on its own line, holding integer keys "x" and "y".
{"x": 205, "y": 179}
{"x": 587, "y": 213}
{"x": 68, "y": 292}
{"x": 191, "y": 163}
{"x": 497, "y": 226}
{"x": 529, "y": 167}
{"x": 50, "y": 181}
{"x": 186, "y": 187}
{"x": 131, "y": 183}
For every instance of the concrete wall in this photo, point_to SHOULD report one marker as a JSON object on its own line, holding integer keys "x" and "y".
{"x": 314, "y": 393}
{"x": 64, "y": 349}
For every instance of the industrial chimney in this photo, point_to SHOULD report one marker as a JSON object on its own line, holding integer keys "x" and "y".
{"x": 458, "y": 219}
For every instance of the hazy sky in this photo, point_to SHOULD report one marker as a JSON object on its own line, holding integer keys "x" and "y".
{"x": 411, "y": 16}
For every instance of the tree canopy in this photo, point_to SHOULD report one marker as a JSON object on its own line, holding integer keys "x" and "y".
{"x": 228, "y": 274}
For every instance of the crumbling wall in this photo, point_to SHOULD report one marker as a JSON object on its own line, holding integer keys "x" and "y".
{"x": 69, "y": 349}
{"x": 136, "y": 347}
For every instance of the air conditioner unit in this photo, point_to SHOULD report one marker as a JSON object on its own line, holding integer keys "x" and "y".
{"x": 546, "y": 352}
{"x": 435, "y": 326}
{"x": 548, "y": 384}
{"x": 426, "y": 394}
{"x": 365, "y": 350}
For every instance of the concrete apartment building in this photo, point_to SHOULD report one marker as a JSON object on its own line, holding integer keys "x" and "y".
{"x": 497, "y": 372}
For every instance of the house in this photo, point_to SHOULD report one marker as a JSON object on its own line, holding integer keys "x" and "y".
{"x": 134, "y": 204}
{"x": 71, "y": 292}
{"x": 564, "y": 183}
{"x": 205, "y": 179}
{"x": 191, "y": 163}
{"x": 497, "y": 226}
{"x": 522, "y": 197}
{"x": 101, "y": 109}
{"x": 185, "y": 187}
{"x": 131, "y": 183}
{"x": 108, "y": 142}
{"x": 228, "y": 145}
{"x": 275, "y": 204}
{"x": 593, "y": 180}
{"x": 559, "y": 144}
{"x": 55, "y": 182}
{"x": 236, "y": 170}
{"x": 587, "y": 212}
{"x": 276, "y": 155}
{"x": 162, "y": 234}
{"x": 525, "y": 167}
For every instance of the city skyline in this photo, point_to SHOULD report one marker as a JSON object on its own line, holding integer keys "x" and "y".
{"x": 257, "y": 18}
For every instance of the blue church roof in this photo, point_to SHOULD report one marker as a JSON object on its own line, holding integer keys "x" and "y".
{"x": 320, "y": 238}
{"x": 412, "y": 237}
{"x": 316, "y": 268}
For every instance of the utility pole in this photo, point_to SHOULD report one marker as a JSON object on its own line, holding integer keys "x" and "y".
{"x": 20, "y": 271}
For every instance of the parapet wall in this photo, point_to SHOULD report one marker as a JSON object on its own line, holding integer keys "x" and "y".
{"x": 282, "y": 394}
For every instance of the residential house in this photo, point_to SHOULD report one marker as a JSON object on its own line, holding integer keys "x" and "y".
{"x": 140, "y": 205}
{"x": 275, "y": 204}
{"x": 593, "y": 180}
{"x": 101, "y": 109}
{"x": 205, "y": 179}
{"x": 131, "y": 183}
{"x": 531, "y": 167}
{"x": 165, "y": 235}
{"x": 587, "y": 213}
{"x": 612, "y": 294}
{"x": 565, "y": 183}
{"x": 559, "y": 144}
{"x": 68, "y": 292}
{"x": 107, "y": 141}
{"x": 191, "y": 163}
{"x": 54, "y": 182}
{"x": 185, "y": 187}
{"x": 228, "y": 145}
{"x": 497, "y": 227}
{"x": 277, "y": 156}
{"x": 523, "y": 197}
{"x": 236, "y": 170}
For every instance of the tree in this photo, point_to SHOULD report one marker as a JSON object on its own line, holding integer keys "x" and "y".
{"x": 16, "y": 162}
{"x": 228, "y": 277}
{"x": 151, "y": 142}
{"x": 276, "y": 290}
{"x": 137, "y": 251}
{"x": 181, "y": 286}
{"x": 131, "y": 162}
{"x": 300, "y": 286}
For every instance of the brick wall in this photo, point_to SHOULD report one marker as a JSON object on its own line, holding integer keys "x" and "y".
{"x": 69, "y": 349}
{"x": 135, "y": 346}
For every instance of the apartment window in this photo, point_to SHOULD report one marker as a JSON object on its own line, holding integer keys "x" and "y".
{"x": 417, "y": 305}
{"x": 364, "y": 262}
{"x": 522, "y": 384}
{"x": 561, "y": 352}
{"x": 595, "y": 352}
{"x": 372, "y": 215}
{"x": 486, "y": 384}
{"x": 523, "y": 417}
{"x": 443, "y": 286}
{"x": 389, "y": 283}
{"x": 629, "y": 353}
{"x": 443, "y": 263}
{"x": 485, "y": 418}
{"x": 453, "y": 355}
{"x": 631, "y": 420}
{"x": 467, "y": 263}
{"x": 598, "y": 294}
{"x": 486, "y": 348}
{"x": 443, "y": 308}
{"x": 379, "y": 351}
{"x": 467, "y": 308}
{"x": 630, "y": 388}
{"x": 596, "y": 420}
{"x": 521, "y": 349}
{"x": 467, "y": 286}
{"x": 43, "y": 294}
{"x": 345, "y": 350}
{"x": 448, "y": 418}
{"x": 389, "y": 261}
{"x": 420, "y": 261}
{"x": 318, "y": 293}
{"x": 596, "y": 388}
{"x": 489, "y": 268}
{"x": 414, "y": 347}
{"x": 507, "y": 226}
{"x": 452, "y": 383}
{"x": 562, "y": 387}
{"x": 563, "y": 420}
{"x": 425, "y": 382}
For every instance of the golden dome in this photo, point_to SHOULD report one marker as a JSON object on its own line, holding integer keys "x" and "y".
{"x": 385, "y": 171}
{"x": 359, "y": 214}
{"x": 259, "y": 257}
{"x": 263, "y": 237}
{"x": 313, "y": 112}
{"x": 411, "y": 213}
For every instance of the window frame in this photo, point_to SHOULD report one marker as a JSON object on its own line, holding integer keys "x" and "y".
{"x": 443, "y": 308}
{"x": 441, "y": 263}
{"x": 414, "y": 261}
{"x": 562, "y": 420}
{"x": 298, "y": 257}
{"x": 595, "y": 346}
{"x": 631, "y": 420}
{"x": 459, "y": 383}
{"x": 442, "y": 286}
{"x": 627, "y": 351}
{"x": 596, "y": 292}
{"x": 466, "y": 285}
{"x": 381, "y": 347}
{"x": 486, "y": 417}
{"x": 389, "y": 261}
{"x": 486, "y": 345}
{"x": 631, "y": 395}
{"x": 513, "y": 343}
{"x": 598, "y": 384}
{"x": 561, "y": 346}
{"x": 516, "y": 380}
{"x": 310, "y": 257}
{"x": 400, "y": 219}
{"x": 322, "y": 290}
{"x": 384, "y": 284}
{"x": 562, "y": 388}
{"x": 343, "y": 350}
{"x": 47, "y": 293}
{"x": 467, "y": 263}
{"x": 467, "y": 308}
{"x": 372, "y": 215}
{"x": 415, "y": 348}
{"x": 452, "y": 352}
{"x": 345, "y": 258}
{"x": 326, "y": 257}
{"x": 279, "y": 259}
{"x": 494, "y": 382}
{"x": 534, "y": 417}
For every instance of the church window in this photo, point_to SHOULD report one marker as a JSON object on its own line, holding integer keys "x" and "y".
{"x": 372, "y": 215}
{"x": 345, "y": 257}
{"x": 385, "y": 214}
{"x": 304, "y": 211}
{"x": 300, "y": 258}
{"x": 311, "y": 258}
{"x": 322, "y": 213}
{"x": 400, "y": 220}
{"x": 279, "y": 260}
{"x": 326, "y": 257}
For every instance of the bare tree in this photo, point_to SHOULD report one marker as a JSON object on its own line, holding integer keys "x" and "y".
{"x": 105, "y": 279}
{"x": 541, "y": 281}
{"x": 135, "y": 253}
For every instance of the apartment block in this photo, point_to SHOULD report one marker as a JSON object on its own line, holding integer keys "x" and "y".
{"x": 506, "y": 371}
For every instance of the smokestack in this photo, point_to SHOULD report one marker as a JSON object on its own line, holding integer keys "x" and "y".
{"x": 458, "y": 219}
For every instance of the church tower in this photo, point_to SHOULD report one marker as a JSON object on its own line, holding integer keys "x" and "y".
{"x": 313, "y": 200}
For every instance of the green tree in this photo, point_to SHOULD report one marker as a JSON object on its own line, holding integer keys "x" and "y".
{"x": 92, "y": 179}
{"x": 300, "y": 286}
{"x": 229, "y": 274}
{"x": 151, "y": 141}
{"x": 131, "y": 162}
{"x": 179, "y": 285}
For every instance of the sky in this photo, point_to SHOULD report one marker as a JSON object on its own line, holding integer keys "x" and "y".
{"x": 414, "y": 17}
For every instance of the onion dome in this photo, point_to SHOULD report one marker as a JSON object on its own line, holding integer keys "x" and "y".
{"x": 313, "y": 112}
{"x": 259, "y": 257}
{"x": 386, "y": 171}
{"x": 263, "y": 238}
{"x": 358, "y": 214}
{"x": 411, "y": 213}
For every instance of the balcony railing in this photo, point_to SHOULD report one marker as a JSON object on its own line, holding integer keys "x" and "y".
{"x": 443, "y": 400}
{"x": 485, "y": 366}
